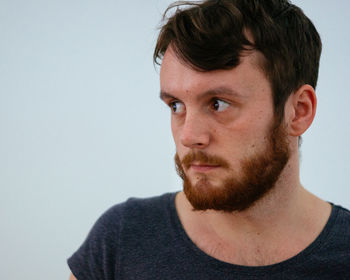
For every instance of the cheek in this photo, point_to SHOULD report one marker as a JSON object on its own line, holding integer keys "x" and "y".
{"x": 240, "y": 140}
{"x": 254, "y": 124}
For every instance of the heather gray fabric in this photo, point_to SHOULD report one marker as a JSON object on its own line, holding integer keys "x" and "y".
{"x": 144, "y": 239}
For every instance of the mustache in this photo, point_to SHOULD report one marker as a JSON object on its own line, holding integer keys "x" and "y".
{"x": 202, "y": 158}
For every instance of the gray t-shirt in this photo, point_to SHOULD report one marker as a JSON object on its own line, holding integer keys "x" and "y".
{"x": 144, "y": 239}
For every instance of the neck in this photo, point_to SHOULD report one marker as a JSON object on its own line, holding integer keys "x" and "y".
{"x": 288, "y": 212}
{"x": 285, "y": 199}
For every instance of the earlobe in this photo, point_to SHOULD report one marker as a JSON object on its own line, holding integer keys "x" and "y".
{"x": 303, "y": 103}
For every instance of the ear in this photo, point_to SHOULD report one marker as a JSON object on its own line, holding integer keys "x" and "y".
{"x": 301, "y": 110}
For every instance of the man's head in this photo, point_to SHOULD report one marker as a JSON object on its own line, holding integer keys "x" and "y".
{"x": 213, "y": 34}
{"x": 229, "y": 69}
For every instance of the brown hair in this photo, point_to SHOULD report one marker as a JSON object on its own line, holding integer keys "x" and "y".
{"x": 212, "y": 34}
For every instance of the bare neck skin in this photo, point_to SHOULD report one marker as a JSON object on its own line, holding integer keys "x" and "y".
{"x": 279, "y": 226}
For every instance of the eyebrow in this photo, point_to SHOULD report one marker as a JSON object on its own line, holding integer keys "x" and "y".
{"x": 164, "y": 95}
{"x": 211, "y": 92}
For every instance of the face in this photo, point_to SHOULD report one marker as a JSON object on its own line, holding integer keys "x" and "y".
{"x": 230, "y": 149}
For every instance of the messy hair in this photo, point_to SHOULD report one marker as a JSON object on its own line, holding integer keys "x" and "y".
{"x": 213, "y": 34}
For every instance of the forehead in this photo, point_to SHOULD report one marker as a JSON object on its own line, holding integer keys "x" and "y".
{"x": 176, "y": 77}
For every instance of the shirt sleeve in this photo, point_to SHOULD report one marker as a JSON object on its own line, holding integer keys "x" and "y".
{"x": 97, "y": 258}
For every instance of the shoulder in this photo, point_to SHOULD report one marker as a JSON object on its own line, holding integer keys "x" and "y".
{"x": 143, "y": 219}
{"x": 341, "y": 217}
{"x": 99, "y": 253}
{"x": 342, "y": 221}
{"x": 131, "y": 215}
{"x": 344, "y": 211}
{"x": 338, "y": 232}
{"x": 135, "y": 208}
{"x": 147, "y": 208}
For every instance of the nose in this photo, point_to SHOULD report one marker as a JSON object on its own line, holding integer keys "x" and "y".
{"x": 195, "y": 132}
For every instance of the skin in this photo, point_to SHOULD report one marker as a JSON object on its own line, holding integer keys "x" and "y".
{"x": 228, "y": 113}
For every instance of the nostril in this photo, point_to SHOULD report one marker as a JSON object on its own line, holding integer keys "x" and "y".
{"x": 194, "y": 132}
{"x": 195, "y": 141}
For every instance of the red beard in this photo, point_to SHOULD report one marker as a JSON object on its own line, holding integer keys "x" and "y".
{"x": 259, "y": 174}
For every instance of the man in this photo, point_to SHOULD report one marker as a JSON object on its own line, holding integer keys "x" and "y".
{"x": 239, "y": 78}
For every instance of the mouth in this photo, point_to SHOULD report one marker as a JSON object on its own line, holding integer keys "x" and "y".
{"x": 198, "y": 167}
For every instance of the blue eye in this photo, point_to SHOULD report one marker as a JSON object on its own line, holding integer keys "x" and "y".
{"x": 219, "y": 105}
{"x": 177, "y": 107}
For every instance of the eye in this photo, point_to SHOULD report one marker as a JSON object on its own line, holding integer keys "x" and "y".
{"x": 176, "y": 107}
{"x": 219, "y": 105}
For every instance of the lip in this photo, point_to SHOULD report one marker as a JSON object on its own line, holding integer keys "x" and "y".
{"x": 203, "y": 167}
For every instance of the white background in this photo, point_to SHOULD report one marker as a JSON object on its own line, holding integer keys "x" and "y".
{"x": 82, "y": 127}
